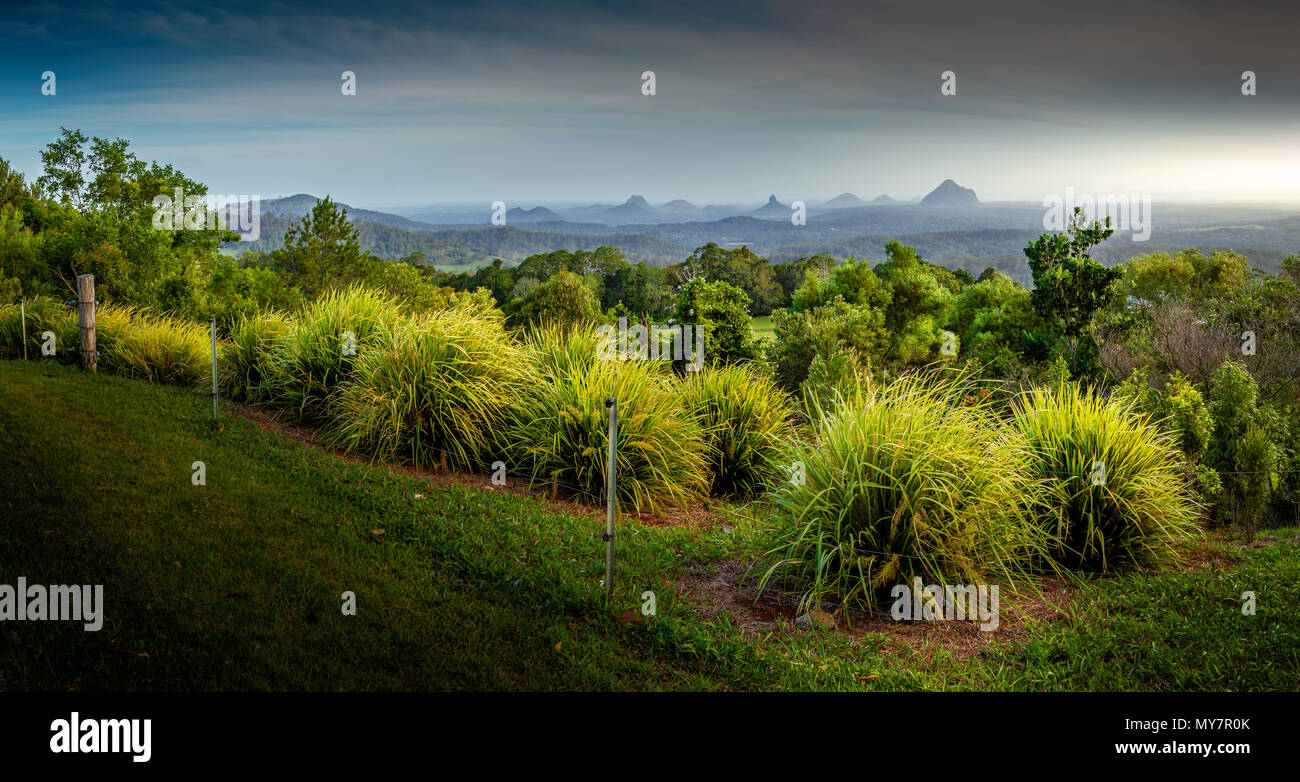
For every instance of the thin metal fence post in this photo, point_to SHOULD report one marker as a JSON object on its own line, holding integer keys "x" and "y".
{"x": 23, "y": 309}
{"x": 214, "y": 369}
{"x": 611, "y": 502}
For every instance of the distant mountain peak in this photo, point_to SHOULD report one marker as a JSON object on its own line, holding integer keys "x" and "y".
{"x": 949, "y": 193}
{"x": 845, "y": 199}
{"x": 634, "y": 205}
{"x": 535, "y": 215}
{"x": 773, "y": 208}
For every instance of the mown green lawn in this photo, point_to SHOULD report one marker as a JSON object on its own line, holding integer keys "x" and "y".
{"x": 763, "y": 328}
{"x": 237, "y": 585}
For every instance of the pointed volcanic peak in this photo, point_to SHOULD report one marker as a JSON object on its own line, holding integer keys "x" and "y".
{"x": 633, "y": 209}
{"x": 773, "y": 208}
{"x": 538, "y": 214}
{"x": 883, "y": 199}
{"x": 844, "y": 200}
{"x": 949, "y": 193}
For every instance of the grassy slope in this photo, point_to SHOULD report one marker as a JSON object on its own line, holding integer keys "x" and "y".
{"x": 239, "y": 581}
{"x": 763, "y": 328}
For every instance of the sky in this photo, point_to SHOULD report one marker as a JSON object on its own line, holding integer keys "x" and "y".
{"x": 542, "y": 103}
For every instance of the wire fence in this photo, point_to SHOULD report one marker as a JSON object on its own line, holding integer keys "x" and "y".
{"x": 533, "y": 481}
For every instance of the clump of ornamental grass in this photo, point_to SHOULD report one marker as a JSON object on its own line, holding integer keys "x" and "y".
{"x": 321, "y": 345}
{"x": 560, "y": 434}
{"x": 157, "y": 348}
{"x": 1112, "y": 493}
{"x": 244, "y": 359}
{"x": 439, "y": 392}
{"x": 907, "y": 480}
{"x": 112, "y": 323}
{"x": 746, "y": 421}
{"x": 557, "y": 349}
{"x": 43, "y": 314}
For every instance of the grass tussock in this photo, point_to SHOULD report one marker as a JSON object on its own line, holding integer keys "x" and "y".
{"x": 898, "y": 482}
{"x": 561, "y": 434}
{"x": 156, "y": 348}
{"x": 245, "y": 374}
{"x": 558, "y": 349}
{"x": 746, "y": 421}
{"x": 43, "y": 314}
{"x": 439, "y": 393}
{"x": 322, "y": 344}
{"x": 1112, "y": 492}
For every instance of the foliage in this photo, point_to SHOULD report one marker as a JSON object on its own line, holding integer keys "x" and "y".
{"x": 157, "y": 348}
{"x": 1112, "y": 493}
{"x": 908, "y": 480}
{"x": 439, "y": 392}
{"x": 1070, "y": 287}
{"x": 245, "y": 373}
{"x": 563, "y": 298}
{"x": 722, "y": 311}
{"x": 739, "y": 268}
{"x": 561, "y": 434}
{"x": 313, "y": 358}
{"x": 746, "y": 419}
{"x": 43, "y": 314}
{"x": 1242, "y": 442}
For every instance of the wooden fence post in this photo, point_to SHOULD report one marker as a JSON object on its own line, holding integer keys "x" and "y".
{"x": 86, "y": 314}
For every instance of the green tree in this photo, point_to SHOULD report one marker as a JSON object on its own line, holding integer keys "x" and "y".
{"x": 740, "y": 268}
{"x": 722, "y": 310}
{"x": 563, "y": 298}
{"x": 1070, "y": 287}
{"x": 1242, "y": 448}
{"x": 321, "y": 251}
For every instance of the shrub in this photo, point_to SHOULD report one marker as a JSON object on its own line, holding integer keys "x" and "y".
{"x": 312, "y": 359}
{"x": 439, "y": 393}
{"x": 561, "y": 434}
{"x": 1113, "y": 493}
{"x": 835, "y": 328}
{"x": 1181, "y": 411}
{"x": 156, "y": 348}
{"x": 563, "y": 298}
{"x": 746, "y": 419}
{"x": 908, "y": 480}
{"x": 557, "y": 349}
{"x": 722, "y": 310}
{"x": 1242, "y": 447}
{"x": 43, "y": 314}
{"x": 245, "y": 374}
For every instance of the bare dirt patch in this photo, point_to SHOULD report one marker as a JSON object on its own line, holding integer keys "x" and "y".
{"x": 726, "y": 590}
